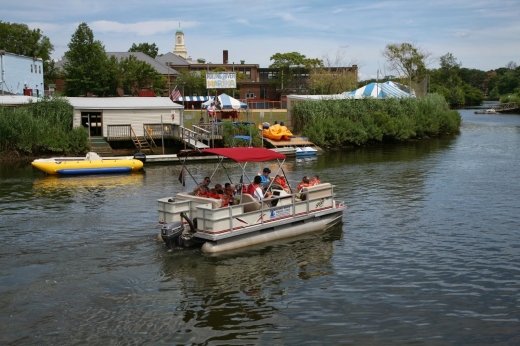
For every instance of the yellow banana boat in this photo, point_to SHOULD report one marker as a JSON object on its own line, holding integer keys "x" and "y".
{"x": 91, "y": 164}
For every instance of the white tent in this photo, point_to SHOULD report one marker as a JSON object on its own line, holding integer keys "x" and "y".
{"x": 380, "y": 91}
{"x": 226, "y": 102}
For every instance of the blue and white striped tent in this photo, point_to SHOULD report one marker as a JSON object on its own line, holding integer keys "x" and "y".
{"x": 226, "y": 102}
{"x": 192, "y": 98}
{"x": 379, "y": 90}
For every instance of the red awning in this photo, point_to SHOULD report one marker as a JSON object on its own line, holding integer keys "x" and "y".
{"x": 238, "y": 154}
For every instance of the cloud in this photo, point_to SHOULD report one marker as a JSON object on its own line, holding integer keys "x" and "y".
{"x": 460, "y": 34}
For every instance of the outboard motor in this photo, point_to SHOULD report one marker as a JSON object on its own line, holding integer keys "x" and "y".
{"x": 140, "y": 156}
{"x": 171, "y": 232}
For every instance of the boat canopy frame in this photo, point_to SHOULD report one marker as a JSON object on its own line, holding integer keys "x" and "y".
{"x": 240, "y": 155}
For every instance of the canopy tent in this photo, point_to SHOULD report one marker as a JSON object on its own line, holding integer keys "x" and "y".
{"x": 380, "y": 91}
{"x": 226, "y": 102}
{"x": 192, "y": 99}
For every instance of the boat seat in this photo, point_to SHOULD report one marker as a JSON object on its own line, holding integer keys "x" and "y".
{"x": 215, "y": 203}
{"x": 250, "y": 203}
{"x": 316, "y": 191}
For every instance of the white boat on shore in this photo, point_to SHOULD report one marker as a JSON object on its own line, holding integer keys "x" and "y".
{"x": 189, "y": 220}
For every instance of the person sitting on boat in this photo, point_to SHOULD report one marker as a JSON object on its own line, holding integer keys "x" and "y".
{"x": 226, "y": 198}
{"x": 304, "y": 183}
{"x": 258, "y": 193}
{"x": 316, "y": 180}
{"x": 203, "y": 192}
{"x": 266, "y": 179}
{"x": 280, "y": 180}
{"x": 204, "y": 183}
{"x": 229, "y": 189}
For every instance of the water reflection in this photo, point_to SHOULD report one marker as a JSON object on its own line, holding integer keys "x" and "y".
{"x": 233, "y": 295}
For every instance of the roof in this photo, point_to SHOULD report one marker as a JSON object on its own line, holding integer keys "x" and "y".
{"x": 238, "y": 154}
{"x": 159, "y": 67}
{"x": 157, "y": 64}
{"x": 173, "y": 59}
{"x": 123, "y": 103}
{"x": 102, "y": 102}
{"x": 11, "y": 100}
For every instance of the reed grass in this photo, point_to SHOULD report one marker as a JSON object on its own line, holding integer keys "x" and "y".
{"x": 356, "y": 122}
{"x": 41, "y": 127}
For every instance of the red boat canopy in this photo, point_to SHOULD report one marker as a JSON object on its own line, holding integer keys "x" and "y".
{"x": 238, "y": 154}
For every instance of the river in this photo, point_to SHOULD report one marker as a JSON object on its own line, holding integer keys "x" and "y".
{"x": 428, "y": 253}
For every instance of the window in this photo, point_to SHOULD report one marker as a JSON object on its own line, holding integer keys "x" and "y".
{"x": 31, "y": 68}
{"x": 250, "y": 96}
{"x": 263, "y": 92}
{"x": 248, "y": 73}
{"x": 40, "y": 69}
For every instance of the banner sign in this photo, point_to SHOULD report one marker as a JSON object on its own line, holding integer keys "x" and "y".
{"x": 221, "y": 80}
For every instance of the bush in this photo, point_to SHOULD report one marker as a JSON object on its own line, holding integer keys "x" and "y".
{"x": 41, "y": 127}
{"x": 356, "y": 122}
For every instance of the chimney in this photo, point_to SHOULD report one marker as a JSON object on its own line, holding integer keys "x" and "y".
{"x": 225, "y": 57}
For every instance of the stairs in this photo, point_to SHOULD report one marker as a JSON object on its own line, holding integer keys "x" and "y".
{"x": 101, "y": 147}
{"x": 142, "y": 144}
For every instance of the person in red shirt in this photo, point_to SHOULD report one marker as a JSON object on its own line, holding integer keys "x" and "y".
{"x": 304, "y": 183}
{"x": 203, "y": 192}
{"x": 316, "y": 180}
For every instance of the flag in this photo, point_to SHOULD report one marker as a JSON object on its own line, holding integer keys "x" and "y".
{"x": 181, "y": 177}
{"x": 176, "y": 93}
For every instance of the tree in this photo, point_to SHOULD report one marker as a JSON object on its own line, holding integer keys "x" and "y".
{"x": 332, "y": 77}
{"x": 146, "y": 48}
{"x": 292, "y": 69}
{"x": 19, "y": 39}
{"x": 136, "y": 75}
{"x": 86, "y": 64}
{"x": 407, "y": 60}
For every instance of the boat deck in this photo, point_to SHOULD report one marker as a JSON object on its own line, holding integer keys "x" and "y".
{"x": 294, "y": 142}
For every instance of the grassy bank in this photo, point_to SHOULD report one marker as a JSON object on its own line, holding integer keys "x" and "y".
{"x": 43, "y": 127}
{"x": 357, "y": 122}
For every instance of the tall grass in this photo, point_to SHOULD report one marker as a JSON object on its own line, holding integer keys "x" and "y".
{"x": 356, "y": 122}
{"x": 41, "y": 127}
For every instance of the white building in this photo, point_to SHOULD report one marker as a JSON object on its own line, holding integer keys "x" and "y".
{"x": 20, "y": 75}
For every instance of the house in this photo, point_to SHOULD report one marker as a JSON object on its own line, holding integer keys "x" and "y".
{"x": 20, "y": 75}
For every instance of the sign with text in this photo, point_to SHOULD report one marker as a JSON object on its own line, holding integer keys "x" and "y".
{"x": 221, "y": 80}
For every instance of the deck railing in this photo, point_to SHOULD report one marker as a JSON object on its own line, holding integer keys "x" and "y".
{"x": 153, "y": 131}
{"x": 119, "y": 132}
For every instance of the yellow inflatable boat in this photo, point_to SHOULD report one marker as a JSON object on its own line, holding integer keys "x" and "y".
{"x": 91, "y": 164}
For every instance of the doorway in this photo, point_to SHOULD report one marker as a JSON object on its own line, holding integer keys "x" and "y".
{"x": 96, "y": 124}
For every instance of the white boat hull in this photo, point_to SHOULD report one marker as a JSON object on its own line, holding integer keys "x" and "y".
{"x": 268, "y": 235}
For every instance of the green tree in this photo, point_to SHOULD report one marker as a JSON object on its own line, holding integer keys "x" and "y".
{"x": 332, "y": 77}
{"x": 293, "y": 69}
{"x": 407, "y": 60}
{"x": 19, "y": 39}
{"x": 136, "y": 75}
{"x": 86, "y": 64}
{"x": 146, "y": 48}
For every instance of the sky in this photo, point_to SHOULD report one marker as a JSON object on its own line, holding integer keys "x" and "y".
{"x": 482, "y": 35}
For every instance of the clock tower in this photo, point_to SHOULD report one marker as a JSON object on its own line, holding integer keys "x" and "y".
{"x": 180, "y": 48}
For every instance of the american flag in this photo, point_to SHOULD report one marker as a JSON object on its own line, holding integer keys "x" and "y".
{"x": 176, "y": 93}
